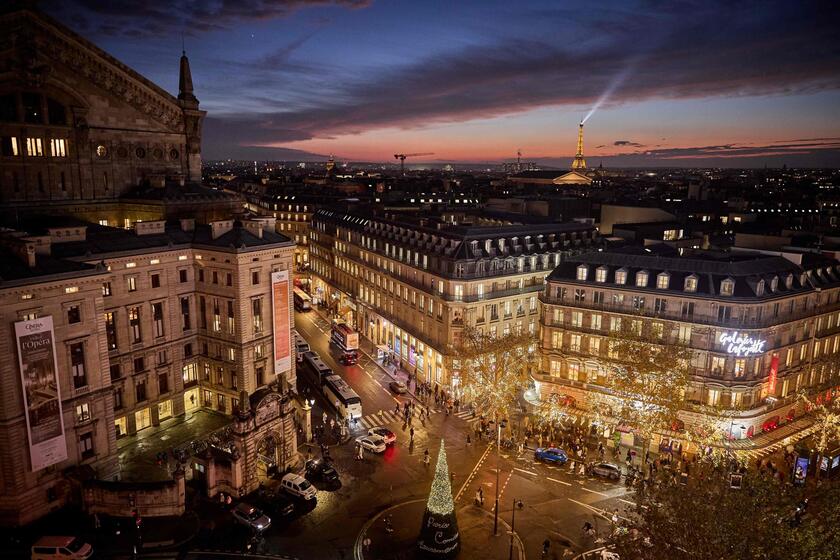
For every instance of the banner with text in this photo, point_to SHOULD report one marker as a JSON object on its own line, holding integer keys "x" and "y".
{"x": 280, "y": 316}
{"x": 41, "y": 392}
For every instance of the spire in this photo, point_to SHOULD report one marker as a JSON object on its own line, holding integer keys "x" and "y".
{"x": 579, "y": 162}
{"x": 185, "y": 84}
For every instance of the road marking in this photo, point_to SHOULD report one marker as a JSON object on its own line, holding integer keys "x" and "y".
{"x": 599, "y": 511}
{"x": 626, "y": 501}
{"x": 526, "y": 472}
{"x": 558, "y": 481}
{"x": 474, "y": 471}
{"x": 596, "y": 492}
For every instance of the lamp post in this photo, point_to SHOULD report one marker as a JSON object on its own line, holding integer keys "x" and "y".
{"x": 307, "y": 408}
{"x": 499, "y": 425}
{"x": 516, "y": 504}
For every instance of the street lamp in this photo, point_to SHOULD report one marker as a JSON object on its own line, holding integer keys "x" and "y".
{"x": 516, "y": 504}
{"x": 499, "y": 425}
{"x": 307, "y": 408}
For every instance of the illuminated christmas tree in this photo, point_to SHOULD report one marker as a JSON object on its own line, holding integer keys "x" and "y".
{"x": 439, "y": 536}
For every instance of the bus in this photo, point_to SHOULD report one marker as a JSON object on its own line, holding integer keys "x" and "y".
{"x": 301, "y": 346}
{"x": 318, "y": 370}
{"x": 302, "y": 300}
{"x": 345, "y": 400}
{"x": 348, "y": 341}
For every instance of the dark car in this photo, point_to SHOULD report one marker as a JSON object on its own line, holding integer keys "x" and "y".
{"x": 398, "y": 387}
{"x": 349, "y": 358}
{"x": 277, "y": 504}
{"x": 606, "y": 470}
{"x": 321, "y": 470}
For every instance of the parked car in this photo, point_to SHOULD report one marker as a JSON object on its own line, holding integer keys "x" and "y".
{"x": 550, "y": 455}
{"x": 349, "y": 358}
{"x": 277, "y": 505}
{"x": 53, "y": 548}
{"x": 372, "y": 443}
{"x": 298, "y": 486}
{"x": 383, "y": 432}
{"x": 251, "y": 516}
{"x": 606, "y": 470}
{"x": 398, "y": 387}
{"x": 319, "y": 469}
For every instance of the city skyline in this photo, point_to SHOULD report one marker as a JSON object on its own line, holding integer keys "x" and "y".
{"x": 682, "y": 85}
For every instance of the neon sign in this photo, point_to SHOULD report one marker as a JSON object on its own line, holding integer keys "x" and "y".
{"x": 741, "y": 345}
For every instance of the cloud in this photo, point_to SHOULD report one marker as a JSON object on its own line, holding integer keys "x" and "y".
{"x": 627, "y": 143}
{"x": 156, "y": 19}
{"x": 701, "y": 56}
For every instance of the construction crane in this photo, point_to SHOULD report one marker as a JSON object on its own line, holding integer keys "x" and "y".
{"x": 402, "y": 157}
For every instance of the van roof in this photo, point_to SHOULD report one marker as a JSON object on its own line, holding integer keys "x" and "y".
{"x": 292, "y": 477}
{"x": 54, "y": 541}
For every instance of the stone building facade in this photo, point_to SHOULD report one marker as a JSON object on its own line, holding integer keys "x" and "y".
{"x": 413, "y": 284}
{"x": 149, "y": 324}
{"x": 760, "y": 327}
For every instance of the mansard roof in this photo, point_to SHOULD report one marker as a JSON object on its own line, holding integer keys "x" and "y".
{"x": 710, "y": 269}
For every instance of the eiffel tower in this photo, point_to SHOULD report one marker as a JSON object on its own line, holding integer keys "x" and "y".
{"x": 579, "y": 162}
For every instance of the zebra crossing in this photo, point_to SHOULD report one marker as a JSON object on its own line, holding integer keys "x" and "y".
{"x": 392, "y": 417}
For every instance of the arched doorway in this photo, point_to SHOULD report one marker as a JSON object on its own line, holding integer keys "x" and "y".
{"x": 267, "y": 456}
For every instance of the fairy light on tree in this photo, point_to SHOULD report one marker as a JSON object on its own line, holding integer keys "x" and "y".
{"x": 826, "y": 427}
{"x": 439, "y": 535}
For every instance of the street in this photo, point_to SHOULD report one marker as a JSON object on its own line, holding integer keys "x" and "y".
{"x": 556, "y": 503}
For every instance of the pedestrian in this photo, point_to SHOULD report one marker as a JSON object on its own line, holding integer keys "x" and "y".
{"x": 366, "y": 544}
{"x": 468, "y": 440}
{"x": 324, "y": 417}
{"x": 397, "y": 409}
{"x": 426, "y": 458}
{"x": 222, "y": 498}
{"x": 412, "y": 435}
{"x": 481, "y": 495}
{"x": 478, "y": 497}
{"x": 228, "y": 501}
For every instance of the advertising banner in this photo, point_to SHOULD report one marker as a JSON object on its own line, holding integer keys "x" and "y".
{"x": 41, "y": 392}
{"x": 773, "y": 374}
{"x": 280, "y": 317}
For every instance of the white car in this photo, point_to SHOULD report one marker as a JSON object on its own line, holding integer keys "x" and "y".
{"x": 298, "y": 486}
{"x": 383, "y": 432}
{"x": 372, "y": 443}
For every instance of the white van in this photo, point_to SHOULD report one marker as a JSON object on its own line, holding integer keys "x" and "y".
{"x": 54, "y": 548}
{"x": 298, "y": 486}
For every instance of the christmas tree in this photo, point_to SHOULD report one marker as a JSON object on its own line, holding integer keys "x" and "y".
{"x": 439, "y": 536}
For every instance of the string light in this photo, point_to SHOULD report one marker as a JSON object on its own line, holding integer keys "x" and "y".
{"x": 440, "y": 498}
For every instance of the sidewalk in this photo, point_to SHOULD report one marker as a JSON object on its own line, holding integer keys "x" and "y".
{"x": 158, "y": 533}
{"x": 474, "y": 524}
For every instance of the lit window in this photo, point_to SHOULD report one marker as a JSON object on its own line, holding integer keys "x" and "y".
{"x": 601, "y": 274}
{"x": 58, "y": 147}
{"x": 691, "y": 283}
{"x": 621, "y": 276}
{"x": 663, "y": 280}
{"x": 727, "y": 287}
{"x": 582, "y": 271}
{"x": 34, "y": 147}
{"x": 642, "y": 279}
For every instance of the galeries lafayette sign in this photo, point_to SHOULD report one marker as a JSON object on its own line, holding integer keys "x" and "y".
{"x": 741, "y": 344}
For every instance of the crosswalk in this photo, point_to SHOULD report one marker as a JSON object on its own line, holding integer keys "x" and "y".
{"x": 391, "y": 417}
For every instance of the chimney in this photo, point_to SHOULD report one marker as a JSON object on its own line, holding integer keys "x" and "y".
{"x": 150, "y": 228}
{"x": 24, "y": 249}
{"x": 254, "y": 226}
{"x": 706, "y": 244}
{"x": 220, "y": 227}
{"x": 187, "y": 224}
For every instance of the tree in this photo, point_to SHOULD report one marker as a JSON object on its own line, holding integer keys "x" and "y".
{"x": 709, "y": 519}
{"x": 494, "y": 370}
{"x": 826, "y": 424}
{"x": 439, "y": 535}
{"x": 643, "y": 383}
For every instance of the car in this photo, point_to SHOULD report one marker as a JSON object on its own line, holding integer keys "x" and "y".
{"x": 71, "y": 548}
{"x": 372, "y": 443}
{"x": 298, "y": 486}
{"x": 550, "y": 455}
{"x": 279, "y": 504}
{"x": 319, "y": 469}
{"x": 398, "y": 387}
{"x": 383, "y": 432}
{"x": 606, "y": 470}
{"x": 251, "y": 516}
{"x": 349, "y": 358}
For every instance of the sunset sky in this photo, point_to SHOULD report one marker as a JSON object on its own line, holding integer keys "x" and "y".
{"x": 683, "y": 84}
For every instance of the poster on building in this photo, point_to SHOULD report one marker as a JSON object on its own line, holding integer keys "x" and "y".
{"x": 41, "y": 392}
{"x": 280, "y": 316}
{"x": 773, "y": 375}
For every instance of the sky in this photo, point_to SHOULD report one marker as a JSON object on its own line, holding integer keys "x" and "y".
{"x": 661, "y": 83}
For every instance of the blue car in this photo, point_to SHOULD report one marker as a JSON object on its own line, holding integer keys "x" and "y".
{"x": 551, "y": 455}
